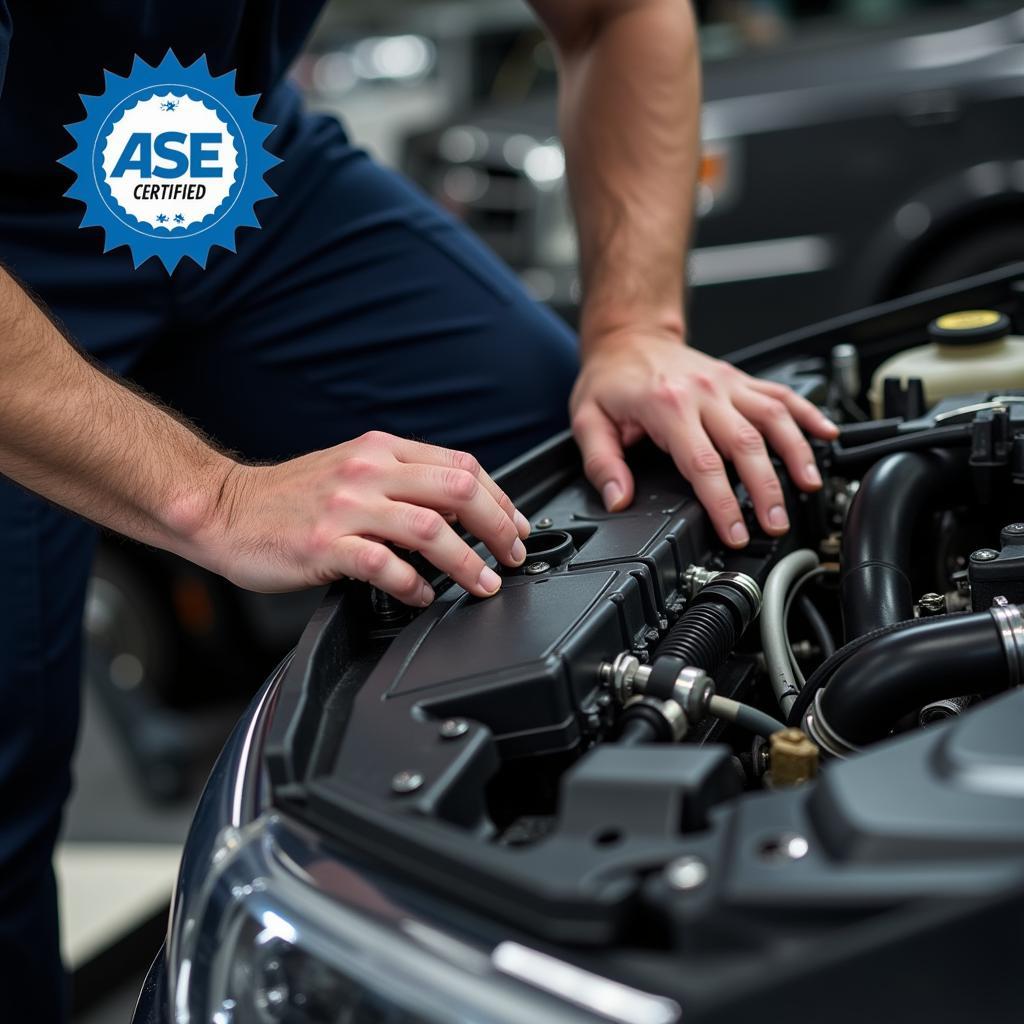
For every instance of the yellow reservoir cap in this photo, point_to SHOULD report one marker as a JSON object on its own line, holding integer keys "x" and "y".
{"x": 968, "y": 320}
{"x": 969, "y": 327}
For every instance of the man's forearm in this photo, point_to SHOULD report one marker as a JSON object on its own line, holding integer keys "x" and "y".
{"x": 630, "y": 112}
{"x": 73, "y": 434}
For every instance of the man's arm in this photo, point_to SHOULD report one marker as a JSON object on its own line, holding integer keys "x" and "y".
{"x": 630, "y": 111}
{"x": 83, "y": 439}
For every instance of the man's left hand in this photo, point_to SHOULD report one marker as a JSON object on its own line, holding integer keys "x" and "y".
{"x": 699, "y": 410}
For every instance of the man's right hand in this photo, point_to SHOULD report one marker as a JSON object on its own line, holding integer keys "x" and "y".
{"x": 330, "y": 514}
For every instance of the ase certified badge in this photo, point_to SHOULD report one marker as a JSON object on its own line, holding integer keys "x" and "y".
{"x": 170, "y": 161}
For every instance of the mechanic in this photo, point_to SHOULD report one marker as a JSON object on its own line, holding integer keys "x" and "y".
{"x": 359, "y": 315}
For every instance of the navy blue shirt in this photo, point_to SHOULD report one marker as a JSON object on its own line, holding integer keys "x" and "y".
{"x": 52, "y": 50}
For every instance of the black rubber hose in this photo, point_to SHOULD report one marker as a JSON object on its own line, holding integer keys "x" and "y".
{"x": 824, "y": 672}
{"x": 819, "y": 627}
{"x": 957, "y": 435}
{"x": 908, "y": 668}
{"x": 884, "y": 517}
{"x": 704, "y": 635}
{"x": 638, "y": 731}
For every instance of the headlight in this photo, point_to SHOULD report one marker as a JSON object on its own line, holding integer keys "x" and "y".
{"x": 260, "y": 944}
{"x": 283, "y": 932}
{"x": 271, "y": 980}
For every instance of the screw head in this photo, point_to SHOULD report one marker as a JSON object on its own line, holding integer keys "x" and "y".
{"x": 544, "y": 523}
{"x": 686, "y": 873}
{"x": 536, "y": 568}
{"x": 786, "y": 847}
{"x": 406, "y": 781}
{"x": 453, "y": 728}
{"x": 1014, "y": 528}
{"x": 984, "y": 555}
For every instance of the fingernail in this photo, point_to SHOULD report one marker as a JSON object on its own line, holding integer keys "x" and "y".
{"x": 426, "y": 595}
{"x": 612, "y": 494}
{"x": 812, "y": 475}
{"x": 522, "y": 524}
{"x": 489, "y": 580}
{"x": 777, "y": 518}
{"x": 738, "y": 533}
{"x": 829, "y": 425}
{"x": 518, "y": 551}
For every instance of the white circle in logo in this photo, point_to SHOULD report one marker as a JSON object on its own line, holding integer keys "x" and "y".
{"x": 170, "y": 160}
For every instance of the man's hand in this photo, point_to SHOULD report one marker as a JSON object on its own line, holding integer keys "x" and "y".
{"x": 697, "y": 409}
{"x": 111, "y": 454}
{"x": 629, "y": 74}
{"x": 326, "y": 515}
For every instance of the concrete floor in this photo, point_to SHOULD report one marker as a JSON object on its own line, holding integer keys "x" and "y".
{"x": 118, "y": 857}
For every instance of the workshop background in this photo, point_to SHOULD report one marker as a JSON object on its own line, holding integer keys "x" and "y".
{"x": 845, "y": 162}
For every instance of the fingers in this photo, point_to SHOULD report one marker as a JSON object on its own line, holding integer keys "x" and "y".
{"x": 698, "y": 460}
{"x": 603, "y": 460}
{"x": 428, "y": 454}
{"x": 424, "y": 530}
{"x": 465, "y": 495}
{"x": 805, "y": 413}
{"x": 773, "y": 418}
{"x": 743, "y": 444}
{"x": 371, "y": 561}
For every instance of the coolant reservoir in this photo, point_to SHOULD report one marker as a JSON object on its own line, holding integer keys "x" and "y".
{"x": 970, "y": 351}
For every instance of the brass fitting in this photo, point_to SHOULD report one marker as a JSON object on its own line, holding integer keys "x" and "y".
{"x": 792, "y": 758}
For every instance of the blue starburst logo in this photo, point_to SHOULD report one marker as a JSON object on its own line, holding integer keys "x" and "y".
{"x": 170, "y": 161}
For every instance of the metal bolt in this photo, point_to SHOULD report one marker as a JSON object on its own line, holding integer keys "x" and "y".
{"x": 1014, "y": 528}
{"x": 406, "y": 781}
{"x": 984, "y": 555}
{"x": 686, "y": 873}
{"x": 544, "y": 523}
{"x": 788, "y": 846}
{"x": 932, "y": 604}
{"x": 651, "y": 636}
{"x": 535, "y": 568}
{"x": 453, "y": 728}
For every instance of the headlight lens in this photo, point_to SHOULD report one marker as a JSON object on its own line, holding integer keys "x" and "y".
{"x": 259, "y": 945}
{"x": 272, "y": 981}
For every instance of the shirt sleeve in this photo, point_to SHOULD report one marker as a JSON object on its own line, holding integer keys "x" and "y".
{"x": 5, "y": 39}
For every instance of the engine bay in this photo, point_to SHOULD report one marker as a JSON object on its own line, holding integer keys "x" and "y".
{"x": 648, "y": 745}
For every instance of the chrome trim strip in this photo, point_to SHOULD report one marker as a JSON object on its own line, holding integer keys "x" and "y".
{"x": 241, "y": 772}
{"x": 610, "y": 999}
{"x": 749, "y": 261}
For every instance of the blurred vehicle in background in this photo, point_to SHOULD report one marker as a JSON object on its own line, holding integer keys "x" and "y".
{"x": 852, "y": 152}
{"x": 170, "y": 650}
{"x": 401, "y": 67}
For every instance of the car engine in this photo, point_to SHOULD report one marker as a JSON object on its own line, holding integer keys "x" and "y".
{"x": 710, "y": 772}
